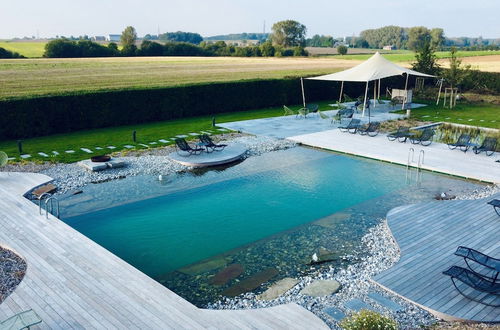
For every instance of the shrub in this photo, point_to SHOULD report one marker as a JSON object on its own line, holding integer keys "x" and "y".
{"x": 4, "y": 53}
{"x": 342, "y": 50}
{"x": 368, "y": 320}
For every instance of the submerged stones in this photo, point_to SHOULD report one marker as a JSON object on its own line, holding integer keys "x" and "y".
{"x": 278, "y": 288}
{"x": 205, "y": 266}
{"x": 333, "y": 220}
{"x": 250, "y": 283}
{"x": 324, "y": 255}
{"x": 321, "y": 288}
{"x": 227, "y": 274}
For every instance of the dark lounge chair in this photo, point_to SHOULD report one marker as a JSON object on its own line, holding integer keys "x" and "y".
{"x": 182, "y": 145}
{"x": 401, "y": 134}
{"x": 343, "y": 113}
{"x": 489, "y": 146}
{"x": 371, "y": 129}
{"x": 490, "y": 266}
{"x": 209, "y": 143}
{"x": 496, "y": 205}
{"x": 351, "y": 127}
{"x": 425, "y": 138}
{"x": 463, "y": 143}
{"x": 312, "y": 108}
{"x": 476, "y": 282}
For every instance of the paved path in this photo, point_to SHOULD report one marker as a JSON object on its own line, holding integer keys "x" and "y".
{"x": 72, "y": 282}
{"x": 437, "y": 156}
{"x": 428, "y": 234}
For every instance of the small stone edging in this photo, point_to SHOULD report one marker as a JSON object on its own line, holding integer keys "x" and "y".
{"x": 12, "y": 271}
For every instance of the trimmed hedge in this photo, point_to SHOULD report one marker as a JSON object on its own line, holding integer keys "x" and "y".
{"x": 25, "y": 118}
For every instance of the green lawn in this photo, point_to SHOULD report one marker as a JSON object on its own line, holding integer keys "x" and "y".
{"x": 121, "y": 136}
{"x": 25, "y": 48}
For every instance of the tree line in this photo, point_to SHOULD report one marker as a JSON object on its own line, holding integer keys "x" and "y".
{"x": 4, "y": 53}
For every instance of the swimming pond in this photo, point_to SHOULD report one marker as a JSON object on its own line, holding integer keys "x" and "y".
{"x": 202, "y": 233}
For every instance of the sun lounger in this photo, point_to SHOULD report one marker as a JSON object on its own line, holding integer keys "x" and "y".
{"x": 476, "y": 282}
{"x": 342, "y": 114}
{"x": 425, "y": 138}
{"x": 182, "y": 145}
{"x": 371, "y": 129}
{"x": 312, "y": 108}
{"x": 303, "y": 112}
{"x": 322, "y": 115}
{"x": 489, "y": 146}
{"x": 490, "y": 266}
{"x": 496, "y": 205}
{"x": 401, "y": 134}
{"x": 288, "y": 111}
{"x": 463, "y": 143}
{"x": 23, "y": 320}
{"x": 351, "y": 127}
{"x": 209, "y": 143}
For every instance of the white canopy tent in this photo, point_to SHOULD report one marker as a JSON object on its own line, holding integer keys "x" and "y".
{"x": 373, "y": 69}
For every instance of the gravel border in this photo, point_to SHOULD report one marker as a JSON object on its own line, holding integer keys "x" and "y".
{"x": 12, "y": 271}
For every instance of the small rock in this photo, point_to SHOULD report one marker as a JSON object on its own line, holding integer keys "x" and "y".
{"x": 278, "y": 288}
{"x": 321, "y": 288}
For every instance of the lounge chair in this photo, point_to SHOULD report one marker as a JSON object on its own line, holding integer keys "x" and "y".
{"x": 491, "y": 266}
{"x": 463, "y": 143}
{"x": 182, "y": 145}
{"x": 401, "y": 134}
{"x": 351, "y": 127}
{"x": 343, "y": 113}
{"x": 303, "y": 112}
{"x": 23, "y": 320}
{"x": 489, "y": 146}
{"x": 312, "y": 108}
{"x": 288, "y": 111}
{"x": 476, "y": 282}
{"x": 209, "y": 143}
{"x": 496, "y": 205}
{"x": 322, "y": 115}
{"x": 371, "y": 129}
{"x": 425, "y": 138}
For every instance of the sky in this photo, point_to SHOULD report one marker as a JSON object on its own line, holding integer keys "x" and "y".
{"x": 48, "y": 18}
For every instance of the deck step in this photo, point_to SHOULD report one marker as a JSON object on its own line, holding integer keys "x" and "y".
{"x": 334, "y": 313}
{"x": 357, "y": 305}
{"x": 385, "y": 302}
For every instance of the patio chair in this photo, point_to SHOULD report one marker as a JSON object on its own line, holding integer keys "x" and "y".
{"x": 351, "y": 127}
{"x": 209, "y": 143}
{"x": 463, "y": 143}
{"x": 322, "y": 115}
{"x": 312, "y": 108}
{"x": 425, "y": 138}
{"x": 371, "y": 129}
{"x": 489, "y": 146}
{"x": 182, "y": 145}
{"x": 3, "y": 159}
{"x": 303, "y": 112}
{"x": 474, "y": 281}
{"x": 288, "y": 111}
{"x": 491, "y": 266}
{"x": 496, "y": 205}
{"x": 401, "y": 134}
{"x": 23, "y": 320}
{"x": 343, "y": 114}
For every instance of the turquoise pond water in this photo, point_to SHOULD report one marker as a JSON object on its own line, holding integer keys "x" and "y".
{"x": 271, "y": 211}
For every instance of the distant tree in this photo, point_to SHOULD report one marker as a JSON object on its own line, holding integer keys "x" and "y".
{"x": 361, "y": 43}
{"x": 179, "y": 36}
{"x": 288, "y": 33}
{"x": 113, "y": 47}
{"x": 426, "y": 60}
{"x": 456, "y": 74}
{"x": 384, "y": 36}
{"x": 4, "y": 53}
{"x": 342, "y": 50}
{"x": 320, "y": 41}
{"x": 437, "y": 38}
{"x": 299, "y": 51}
{"x": 93, "y": 49}
{"x": 129, "y": 50}
{"x": 418, "y": 36}
{"x": 61, "y": 48}
{"x": 150, "y": 48}
{"x": 128, "y": 37}
{"x": 267, "y": 49}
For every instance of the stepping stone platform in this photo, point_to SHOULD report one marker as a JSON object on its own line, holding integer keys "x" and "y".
{"x": 128, "y": 146}
{"x": 385, "y": 302}
{"x": 321, "y": 288}
{"x": 334, "y": 313}
{"x": 48, "y": 188}
{"x": 181, "y": 136}
{"x": 100, "y": 166}
{"x": 163, "y": 141}
{"x": 357, "y": 305}
{"x": 70, "y": 151}
{"x": 278, "y": 288}
{"x": 86, "y": 150}
{"x": 43, "y": 154}
{"x": 55, "y": 153}
{"x": 144, "y": 145}
{"x": 98, "y": 148}
{"x": 194, "y": 134}
{"x": 25, "y": 156}
{"x": 111, "y": 147}
{"x": 231, "y": 153}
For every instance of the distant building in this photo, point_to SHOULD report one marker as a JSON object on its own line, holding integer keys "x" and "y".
{"x": 389, "y": 47}
{"x": 114, "y": 37}
{"x": 237, "y": 43}
{"x": 98, "y": 38}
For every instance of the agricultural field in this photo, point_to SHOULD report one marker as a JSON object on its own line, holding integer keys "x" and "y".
{"x": 25, "y": 48}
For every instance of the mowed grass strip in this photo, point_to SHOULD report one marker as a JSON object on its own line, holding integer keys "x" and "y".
{"x": 37, "y": 77}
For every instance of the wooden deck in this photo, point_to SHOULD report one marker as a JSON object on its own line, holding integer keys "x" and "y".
{"x": 428, "y": 235}
{"x": 72, "y": 282}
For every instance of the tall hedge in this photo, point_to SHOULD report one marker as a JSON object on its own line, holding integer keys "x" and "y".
{"x": 40, "y": 116}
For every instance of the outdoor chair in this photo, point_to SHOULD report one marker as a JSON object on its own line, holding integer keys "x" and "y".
{"x": 496, "y": 205}
{"x": 182, "y": 145}
{"x": 341, "y": 114}
{"x": 303, "y": 112}
{"x": 490, "y": 266}
{"x": 463, "y": 143}
{"x": 351, "y": 127}
{"x": 322, "y": 115}
{"x": 371, "y": 129}
{"x": 23, "y": 320}
{"x": 425, "y": 138}
{"x": 288, "y": 111}
{"x": 489, "y": 146}
{"x": 312, "y": 108}
{"x": 3, "y": 159}
{"x": 401, "y": 134}
{"x": 209, "y": 143}
{"x": 476, "y": 282}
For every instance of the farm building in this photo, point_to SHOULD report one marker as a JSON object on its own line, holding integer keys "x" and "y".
{"x": 114, "y": 37}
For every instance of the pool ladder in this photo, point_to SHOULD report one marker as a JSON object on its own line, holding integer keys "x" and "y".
{"x": 411, "y": 160}
{"x": 51, "y": 205}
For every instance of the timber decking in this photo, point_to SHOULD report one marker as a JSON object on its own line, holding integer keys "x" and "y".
{"x": 72, "y": 282}
{"x": 428, "y": 235}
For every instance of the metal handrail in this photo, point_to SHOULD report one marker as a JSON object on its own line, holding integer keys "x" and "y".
{"x": 412, "y": 152}
{"x": 421, "y": 161}
{"x": 51, "y": 199}
{"x": 40, "y": 201}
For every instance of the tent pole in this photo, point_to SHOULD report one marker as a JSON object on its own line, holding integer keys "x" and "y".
{"x": 364, "y": 103}
{"x": 341, "y": 91}
{"x": 374, "y": 96}
{"x": 303, "y": 94}
{"x": 378, "y": 89}
{"x": 406, "y": 92}
{"x": 439, "y": 93}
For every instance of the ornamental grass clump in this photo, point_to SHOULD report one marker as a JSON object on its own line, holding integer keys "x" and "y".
{"x": 368, "y": 320}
